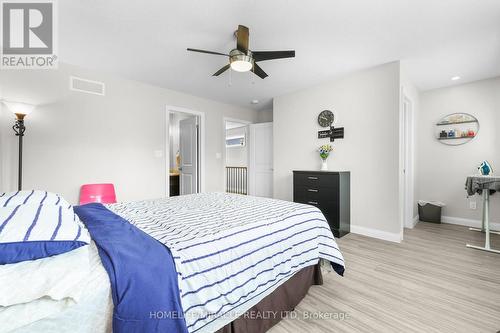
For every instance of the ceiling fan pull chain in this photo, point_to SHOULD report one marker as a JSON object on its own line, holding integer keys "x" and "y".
{"x": 230, "y": 77}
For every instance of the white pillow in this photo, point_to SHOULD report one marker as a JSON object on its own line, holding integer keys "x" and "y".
{"x": 35, "y": 231}
{"x": 57, "y": 277}
{"x": 33, "y": 290}
{"x": 18, "y": 316}
{"x": 31, "y": 197}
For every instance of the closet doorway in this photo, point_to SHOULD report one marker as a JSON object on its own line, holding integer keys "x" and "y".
{"x": 185, "y": 151}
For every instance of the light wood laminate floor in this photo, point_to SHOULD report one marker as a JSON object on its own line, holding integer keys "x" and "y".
{"x": 429, "y": 283}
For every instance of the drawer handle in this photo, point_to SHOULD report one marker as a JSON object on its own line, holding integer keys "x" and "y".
{"x": 311, "y": 190}
{"x": 312, "y": 178}
{"x": 312, "y": 202}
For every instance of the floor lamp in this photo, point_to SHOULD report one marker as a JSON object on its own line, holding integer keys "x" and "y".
{"x": 21, "y": 110}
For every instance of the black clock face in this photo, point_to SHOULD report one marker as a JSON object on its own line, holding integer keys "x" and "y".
{"x": 325, "y": 118}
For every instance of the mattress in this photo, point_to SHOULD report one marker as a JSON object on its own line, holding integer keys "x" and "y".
{"x": 231, "y": 251}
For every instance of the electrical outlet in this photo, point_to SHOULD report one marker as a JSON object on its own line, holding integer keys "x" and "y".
{"x": 472, "y": 205}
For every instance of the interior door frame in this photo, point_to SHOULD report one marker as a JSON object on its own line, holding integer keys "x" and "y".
{"x": 201, "y": 145}
{"x": 236, "y": 120}
{"x": 406, "y": 167}
{"x": 251, "y": 159}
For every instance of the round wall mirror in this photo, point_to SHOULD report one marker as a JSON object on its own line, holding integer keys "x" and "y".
{"x": 457, "y": 129}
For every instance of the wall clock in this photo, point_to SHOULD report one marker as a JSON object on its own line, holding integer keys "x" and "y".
{"x": 326, "y": 118}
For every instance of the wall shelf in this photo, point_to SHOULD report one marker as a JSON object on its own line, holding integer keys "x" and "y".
{"x": 456, "y": 122}
{"x": 457, "y": 137}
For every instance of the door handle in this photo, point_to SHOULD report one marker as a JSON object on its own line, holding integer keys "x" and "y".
{"x": 179, "y": 168}
{"x": 312, "y": 190}
{"x": 312, "y": 178}
{"x": 312, "y": 202}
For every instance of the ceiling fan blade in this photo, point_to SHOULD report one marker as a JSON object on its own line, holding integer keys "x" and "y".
{"x": 258, "y": 71}
{"x": 208, "y": 52}
{"x": 242, "y": 39}
{"x": 222, "y": 70}
{"x": 270, "y": 55}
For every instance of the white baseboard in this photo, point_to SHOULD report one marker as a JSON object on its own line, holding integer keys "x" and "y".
{"x": 468, "y": 222}
{"x": 384, "y": 235}
{"x": 413, "y": 223}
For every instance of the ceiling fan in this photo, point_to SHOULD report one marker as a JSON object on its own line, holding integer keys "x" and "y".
{"x": 241, "y": 59}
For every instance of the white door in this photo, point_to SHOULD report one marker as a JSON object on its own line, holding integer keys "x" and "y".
{"x": 188, "y": 149}
{"x": 407, "y": 164}
{"x": 261, "y": 160}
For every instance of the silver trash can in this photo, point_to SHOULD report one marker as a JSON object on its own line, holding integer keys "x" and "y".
{"x": 430, "y": 211}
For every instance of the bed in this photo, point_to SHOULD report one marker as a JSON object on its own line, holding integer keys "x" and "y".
{"x": 231, "y": 254}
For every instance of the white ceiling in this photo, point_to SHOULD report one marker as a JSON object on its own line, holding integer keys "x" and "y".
{"x": 147, "y": 41}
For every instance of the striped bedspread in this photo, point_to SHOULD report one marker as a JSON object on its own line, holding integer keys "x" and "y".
{"x": 231, "y": 251}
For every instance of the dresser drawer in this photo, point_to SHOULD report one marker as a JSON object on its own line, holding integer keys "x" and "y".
{"x": 315, "y": 180}
{"x": 317, "y": 194}
{"x": 329, "y": 209}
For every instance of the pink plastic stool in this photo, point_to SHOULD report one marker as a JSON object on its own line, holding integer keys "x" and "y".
{"x": 103, "y": 193}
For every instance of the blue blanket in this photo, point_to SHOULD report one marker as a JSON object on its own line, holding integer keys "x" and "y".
{"x": 142, "y": 272}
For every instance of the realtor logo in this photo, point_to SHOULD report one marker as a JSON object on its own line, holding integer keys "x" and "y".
{"x": 28, "y": 35}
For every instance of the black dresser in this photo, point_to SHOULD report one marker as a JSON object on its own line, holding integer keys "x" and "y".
{"x": 330, "y": 192}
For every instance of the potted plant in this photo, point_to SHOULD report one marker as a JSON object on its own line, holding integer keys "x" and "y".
{"x": 324, "y": 152}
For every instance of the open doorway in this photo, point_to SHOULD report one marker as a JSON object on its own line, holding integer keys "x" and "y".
{"x": 184, "y": 158}
{"x": 248, "y": 158}
{"x": 236, "y": 156}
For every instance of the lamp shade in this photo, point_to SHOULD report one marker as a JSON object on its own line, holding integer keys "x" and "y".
{"x": 19, "y": 108}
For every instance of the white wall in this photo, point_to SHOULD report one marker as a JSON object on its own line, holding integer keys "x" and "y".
{"x": 265, "y": 116}
{"x": 442, "y": 169}
{"x": 74, "y": 138}
{"x": 366, "y": 103}
{"x": 237, "y": 156}
{"x": 8, "y": 150}
{"x": 4, "y": 160}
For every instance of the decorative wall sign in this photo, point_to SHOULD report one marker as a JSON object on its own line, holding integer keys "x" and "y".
{"x": 457, "y": 129}
{"x": 333, "y": 133}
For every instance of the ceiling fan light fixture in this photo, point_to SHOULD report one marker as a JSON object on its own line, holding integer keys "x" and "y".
{"x": 241, "y": 65}
{"x": 240, "y": 62}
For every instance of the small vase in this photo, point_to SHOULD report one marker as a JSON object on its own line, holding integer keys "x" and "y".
{"x": 324, "y": 165}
